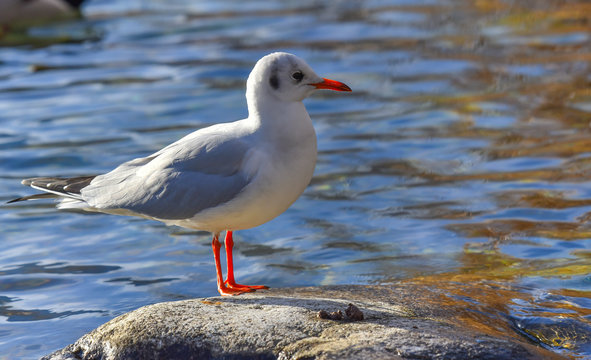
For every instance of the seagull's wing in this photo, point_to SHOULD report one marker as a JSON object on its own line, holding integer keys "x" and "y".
{"x": 201, "y": 171}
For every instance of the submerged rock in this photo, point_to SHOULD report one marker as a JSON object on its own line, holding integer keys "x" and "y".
{"x": 402, "y": 321}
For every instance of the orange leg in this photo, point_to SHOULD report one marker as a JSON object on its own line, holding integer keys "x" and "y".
{"x": 231, "y": 283}
{"x": 222, "y": 288}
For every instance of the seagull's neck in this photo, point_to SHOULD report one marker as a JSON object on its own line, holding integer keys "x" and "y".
{"x": 277, "y": 115}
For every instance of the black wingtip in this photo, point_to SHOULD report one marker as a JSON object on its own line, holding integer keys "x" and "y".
{"x": 33, "y": 197}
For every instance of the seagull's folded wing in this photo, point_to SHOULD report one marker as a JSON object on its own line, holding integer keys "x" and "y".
{"x": 188, "y": 176}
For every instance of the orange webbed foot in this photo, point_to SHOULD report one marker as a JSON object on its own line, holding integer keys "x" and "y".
{"x": 230, "y": 291}
{"x": 245, "y": 288}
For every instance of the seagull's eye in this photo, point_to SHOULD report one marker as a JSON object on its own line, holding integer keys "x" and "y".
{"x": 298, "y": 75}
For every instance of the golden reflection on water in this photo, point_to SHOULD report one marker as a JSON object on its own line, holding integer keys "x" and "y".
{"x": 533, "y": 66}
{"x": 484, "y": 294}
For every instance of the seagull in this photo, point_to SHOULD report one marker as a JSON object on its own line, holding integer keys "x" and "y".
{"x": 225, "y": 177}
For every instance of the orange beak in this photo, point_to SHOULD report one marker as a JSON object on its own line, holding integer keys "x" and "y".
{"x": 331, "y": 85}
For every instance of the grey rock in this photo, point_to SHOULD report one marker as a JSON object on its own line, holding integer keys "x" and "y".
{"x": 402, "y": 321}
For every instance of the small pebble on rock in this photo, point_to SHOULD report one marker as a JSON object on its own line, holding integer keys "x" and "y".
{"x": 335, "y": 315}
{"x": 353, "y": 313}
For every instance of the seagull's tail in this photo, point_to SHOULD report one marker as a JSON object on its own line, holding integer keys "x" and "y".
{"x": 66, "y": 188}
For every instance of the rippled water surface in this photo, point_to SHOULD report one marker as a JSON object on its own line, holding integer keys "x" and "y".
{"x": 462, "y": 159}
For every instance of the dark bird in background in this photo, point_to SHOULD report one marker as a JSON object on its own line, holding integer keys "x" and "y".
{"x": 24, "y": 13}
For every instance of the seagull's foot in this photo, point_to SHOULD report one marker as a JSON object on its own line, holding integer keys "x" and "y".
{"x": 243, "y": 288}
{"x": 229, "y": 291}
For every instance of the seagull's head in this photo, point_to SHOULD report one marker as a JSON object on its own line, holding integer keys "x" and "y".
{"x": 288, "y": 78}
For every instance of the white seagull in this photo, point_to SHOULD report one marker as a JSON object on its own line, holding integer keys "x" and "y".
{"x": 229, "y": 176}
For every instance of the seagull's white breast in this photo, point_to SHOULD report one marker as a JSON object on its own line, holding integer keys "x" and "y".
{"x": 281, "y": 163}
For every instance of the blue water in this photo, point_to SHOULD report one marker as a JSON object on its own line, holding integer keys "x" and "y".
{"x": 464, "y": 149}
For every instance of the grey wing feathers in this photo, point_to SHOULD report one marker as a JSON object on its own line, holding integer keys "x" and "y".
{"x": 177, "y": 182}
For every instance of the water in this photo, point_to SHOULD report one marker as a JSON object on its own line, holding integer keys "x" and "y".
{"x": 461, "y": 160}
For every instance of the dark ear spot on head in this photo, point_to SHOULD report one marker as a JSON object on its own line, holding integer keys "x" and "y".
{"x": 274, "y": 79}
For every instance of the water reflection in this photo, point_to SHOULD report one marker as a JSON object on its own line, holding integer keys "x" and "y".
{"x": 461, "y": 161}
{"x": 138, "y": 282}
{"x": 485, "y": 292}
{"x": 57, "y": 268}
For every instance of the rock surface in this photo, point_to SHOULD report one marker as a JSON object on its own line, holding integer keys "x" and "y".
{"x": 402, "y": 321}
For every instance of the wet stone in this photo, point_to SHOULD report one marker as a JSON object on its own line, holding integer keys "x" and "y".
{"x": 401, "y": 321}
